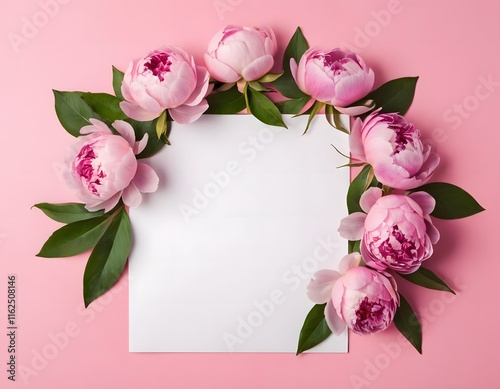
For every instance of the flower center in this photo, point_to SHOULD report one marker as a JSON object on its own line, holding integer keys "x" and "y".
{"x": 397, "y": 247}
{"x": 159, "y": 64}
{"x": 92, "y": 176}
{"x": 369, "y": 312}
{"x": 404, "y": 134}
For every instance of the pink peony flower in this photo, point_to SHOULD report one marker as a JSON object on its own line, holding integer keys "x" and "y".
{"x": 334, "y": 77}
{"x": 165, "y": 79}
{"x": 393, "y": 147}
{"x": 241, "y": 52}
{"x": 396, "y": 233}
{"x": 356, "y": 296}
{"x": 103, "y": 167}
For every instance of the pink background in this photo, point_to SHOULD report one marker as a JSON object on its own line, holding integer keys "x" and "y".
{"x": 452, "y": 46}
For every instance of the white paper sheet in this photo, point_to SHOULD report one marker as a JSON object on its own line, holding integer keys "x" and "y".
{"x": 223, "y": 251}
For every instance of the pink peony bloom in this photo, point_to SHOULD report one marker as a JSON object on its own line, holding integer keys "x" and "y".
{"x": 356, "y": 296}
{"x": 241, "y": 52}
{"x": 393, "y": 147}
{"x": 334, "y": 77}
{"x": 396, "y": 233}
{"x": 103, "y": 167}
{"x": 165, "y": 79}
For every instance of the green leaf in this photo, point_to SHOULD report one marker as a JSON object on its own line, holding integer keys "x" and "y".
{"x": 292, "y": 106}
{"x": 394, "y": 96}
{"x": 117, "y": 83}
{"x": 230, "y": 101}
{"x": 407, "y": 323}
{"x": 270, "y": 77}
{"x": 67, "y": 212}
{"x": 255, "y": 85}
{"x": 74, "y": 238}
{"x": 263, "y": 108}
{"x": 426, "y": 278}
{"x": 314, "y": 330}
{"x": 106, "y": 263}
{"x": 364, "y": 180}
{"x": 315, "y": 109}
{"x": 354, "y": 246}
{"x": 105, "y": 105}
{"x": 72, "y": 111}
{"x": 161, "y": 124}
{"x": 333, "y": 117}
{"x": 154, "y": 144}
{"x": 452, "y": 202}
{"x": 286, "y": 84}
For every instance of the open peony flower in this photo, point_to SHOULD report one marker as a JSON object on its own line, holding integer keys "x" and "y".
{"x": 334, "y": 77}
{"x": 102, "y": 167}
{"x": 395, "y": 150}
{"x": 396, "y": 233}
{"x": 241, "y": 52}
{"x": 165, "y": 79}
{"x": 356, "y": 296}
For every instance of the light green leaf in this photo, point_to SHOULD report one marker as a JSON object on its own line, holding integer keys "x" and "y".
{"x": 255, "y": 85}
{"x": 230, "y": 101}
{"x": 314, "y": 330}
{"x": 426, "y": 278}
{"x": 117, "y": 83}
{"x": 263, "y": 108}
{"x": 72, "y": 111}
{"x": 105, "y": 105}
{"x": 106, "y": 263}
{"x": 315, "y": 109}
{"x": 67, "y": 212}
{"x": 407, "y": 323}
{"x": 270, "y": 77}
{"x": 161, "y": 124}
{"x": 452, "y": 202}
{"x": 74, "y": 238}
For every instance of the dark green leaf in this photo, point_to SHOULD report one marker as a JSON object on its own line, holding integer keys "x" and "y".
{"x": 452, "y": 202}
{"x": 286, "y": 84}
{"x": 407, "y": 323}
{"x": 394, "y": 96}
{"x": 106, "y": 263}
{"x": 74, "y": 238}
{"x": 230, "y": 101}
{"x": 105, "y": 105}
{"x": 117, "y": 82}
{"x": 427, "y": 279}
{"x": 354, "y": 246}
{"x": 72, "y": 111}
{"x": 67, "y": 212}
{"x": 154, "y": 144}
{"x": 264, "y": 109}
{"x": 292, "y": 106}
{"x": 314, "y": 330}
{"x": 361, "y": 182}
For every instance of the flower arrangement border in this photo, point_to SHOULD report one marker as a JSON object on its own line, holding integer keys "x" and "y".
{"x": 140, "y": 127}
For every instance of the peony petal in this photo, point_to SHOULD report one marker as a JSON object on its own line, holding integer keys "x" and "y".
{"x": 424, "y": 200}
{"x": 146, "y": 180}
{"x": 320, "y": 287}
{"x": 125, "y": 130}
{"x": 96, "y": 127}
{"x": 136, "y": 112}
{"x": 186, "y": 114}
{"x": 357, "y": 110}
{"x": 352, "y": 226}
{"x": 132, "y": 196}
{"x": 258, "y": 68}
{"x": 356, "y": 142}
{"x": 349, "y": 261}
{"x": 369, "y": 198}
{"x": 333, "y": 319}
{"x": 220, "y": 71}
{"x": 432, "y": 231}
{"x": 141, "y": 145}
{"x": 107, "y": 205}
{"x": 203, "y": 88}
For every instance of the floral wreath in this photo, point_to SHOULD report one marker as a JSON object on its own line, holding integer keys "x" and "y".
{"x": 390, "y": 202}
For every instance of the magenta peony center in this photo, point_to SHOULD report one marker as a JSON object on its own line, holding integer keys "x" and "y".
{"x": 369, "y": 313}
{"x": 404, "y": 134}
{"x": 159, "y": 64}
{"x": 91, "y": 176}
{"x": 396, "y": 246}
{"x": 333, "y": 61}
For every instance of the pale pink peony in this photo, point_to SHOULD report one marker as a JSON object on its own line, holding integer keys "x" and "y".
{"x": 334, "y": 77}
{"x": 356, "y": 296}
{"x": 395, "y": 150}
{"x": 241, "y": 52}
{"x": 102, "y": 167}
{"x": 166, "y": 79}
{"x": 396, "y": 233}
